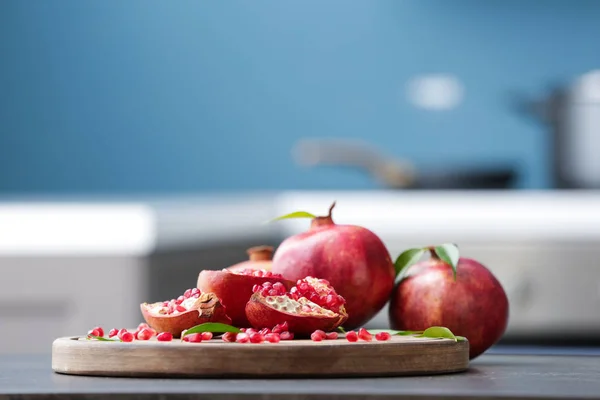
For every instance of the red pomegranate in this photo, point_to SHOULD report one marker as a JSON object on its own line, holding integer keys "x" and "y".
{"x": 234, "y": 288}
{"x": 188, "y": 310}
{"x": 309, "y": 306}
{"x": 473, "y": 305}
{"x": 352, "y": 258}
{"x": 259, "y": 257}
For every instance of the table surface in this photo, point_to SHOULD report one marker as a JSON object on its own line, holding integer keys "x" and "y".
{"x": 530, "y": 375}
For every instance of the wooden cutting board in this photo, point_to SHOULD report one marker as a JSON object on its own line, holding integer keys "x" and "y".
{"x": 402, "y": 355}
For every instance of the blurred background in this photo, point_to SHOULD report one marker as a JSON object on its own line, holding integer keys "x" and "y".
{"x": 143, "y": 142}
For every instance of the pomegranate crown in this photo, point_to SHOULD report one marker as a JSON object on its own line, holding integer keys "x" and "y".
{"x": 448, "y": 253}
{"x": 317, "y": 220}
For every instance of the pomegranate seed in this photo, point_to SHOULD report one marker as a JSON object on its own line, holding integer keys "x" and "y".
{"x": 273, "y": 292}
{"x": 264, "y": 331}
{"x": 93, "y": 332}
{"x": 255, "y": 288}
{"x": 164, "y": 337}
{"x": 154, "y": 333}
{"x": 267, "y": 284}
{"x": 185, "y": 338}
{"x": 179, "y": 300}
{"x": 243, "y": 329}
{"x": 121, "y": 333}
{"x": 135, "y": 335}
{"x": 194, "y": 338}
{"x": 256, "y": 338}
{"x": 144, "y": 334}
{"x": 331, "y": 336}
{"x": 180, "y": 308}
{"x": 320, "y": 333}
{"x": 229, "y": 337}
{"x": 250, "y": 331}
{"x": 142, "y": 325}
{"x": 364, "y": 334}
{"x": 187, "y": 294}
{"x": 206, "y": 335}
{"x": 272, "y": 337}
{"x": 100, "y": 331}
{"x": 316, "y": 337}
{"x": 127, "y": 337}
{"x": 352, "y": 336}
{"x": 113, "y": 332}
{"x": 383, "y": 336}
{"x": 286, "y": 335}
{"x": 242, "y": 338}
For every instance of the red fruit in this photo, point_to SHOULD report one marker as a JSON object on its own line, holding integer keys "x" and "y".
{"x": 382, "y": 336}
{"x": 242, "y": 338}
{"x": 206, "y": 335}
{"x": 127, "y": 337}
{"x": 259, "y": 258}
{"x": 113, "y": 332}
{"x": 286, "y": 335}
{"x": 229, "y": 337}
{"x": 351, "y": 336}
{"x": 272, "y": 337}
{"x": 197, "y": 309}
{"x": 364, "y": 334}
{"x": 301, "y": 315}
{"x": 193, "y": 338}
{"x": 234, "y": 288}
{"x": 474, "y": 305}
{"x": 331, "y": 336}
{"x": 164, "y": 337}
{"x": 144, "y": 334}
{"x": 352, "y": 258}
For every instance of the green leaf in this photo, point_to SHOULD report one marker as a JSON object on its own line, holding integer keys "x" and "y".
{"x": 438, "y": 332}
{"x": 341, "y": 329}
{"x": 102, "y": 339}
{"x": 215, "y": 327}
{"x": 405, "y": 260}
{"x": 448, "y": 253}
{"x": 296, "y": 214}
{"x": 461, "y": 338}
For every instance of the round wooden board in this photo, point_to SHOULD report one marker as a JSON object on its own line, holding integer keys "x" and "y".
{"x": 403, "y": 355}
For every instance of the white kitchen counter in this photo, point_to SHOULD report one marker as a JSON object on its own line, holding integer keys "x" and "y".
{"x": 139, "y": 226}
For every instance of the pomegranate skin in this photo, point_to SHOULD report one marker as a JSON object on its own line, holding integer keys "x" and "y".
{"x": 352, "y": 258}
{"x": 234, "y": 291}
{"x": 474, "y": 306}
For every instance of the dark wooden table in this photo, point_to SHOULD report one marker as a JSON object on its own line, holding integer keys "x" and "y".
{"x": 497, "y": 375}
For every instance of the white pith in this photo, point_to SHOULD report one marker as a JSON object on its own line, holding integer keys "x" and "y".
{"x": 285, "y": 304}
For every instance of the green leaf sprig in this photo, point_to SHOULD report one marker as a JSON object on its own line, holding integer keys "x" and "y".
{"x": 447, "y": 252}
{"x": 214, "y": 327}
{"x": 103, "y": 339}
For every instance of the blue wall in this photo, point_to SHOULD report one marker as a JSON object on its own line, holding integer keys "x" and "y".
{"x": 142, "y": 96}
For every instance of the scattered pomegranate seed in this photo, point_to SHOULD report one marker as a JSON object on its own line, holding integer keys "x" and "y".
{"x": 229, "y": 337}
{"x": 272, "y": 337}
{"x": 364, "y": 334}
{"x": 122, "y": 332}
{"x": 100, "y": 331}
{"x": 113, "y": 332}
{"x": 206, "y": 335}
{"x": 144, "y": 334}
{"x": 352, "y": 336}
{"x": 331, "y": 335}
{"x": 316, "y": 337}
{"x": 286, "y": 335}
{"x": 264, "y": 331}
{"x": 127, "y": 337}
{"x": 250, "y": 331}
{"x": 383, "y": 336}
{"x": 242, "y": 338}
{"x": 164, "y": 337}
{"x": 256, "y": 338}
{"x": 280, "y": 328}
{"x": 93, "y": 332}
{"x": 194, "y": 338}
{"x": 142, "y": 325}
{"x": 135, "y": 335}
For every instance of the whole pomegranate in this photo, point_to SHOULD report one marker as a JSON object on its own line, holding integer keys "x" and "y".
{"x": 351, "y": 258}
{"x": 259, "y": 257}
{"x": 473, "y": 305}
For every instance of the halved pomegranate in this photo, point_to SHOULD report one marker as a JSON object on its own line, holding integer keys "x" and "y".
{"x": 234, "y": 288}
{"x": 190, "y": 309}
{"x": 259, "y": 257}
{"x": 311, "y": 305}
